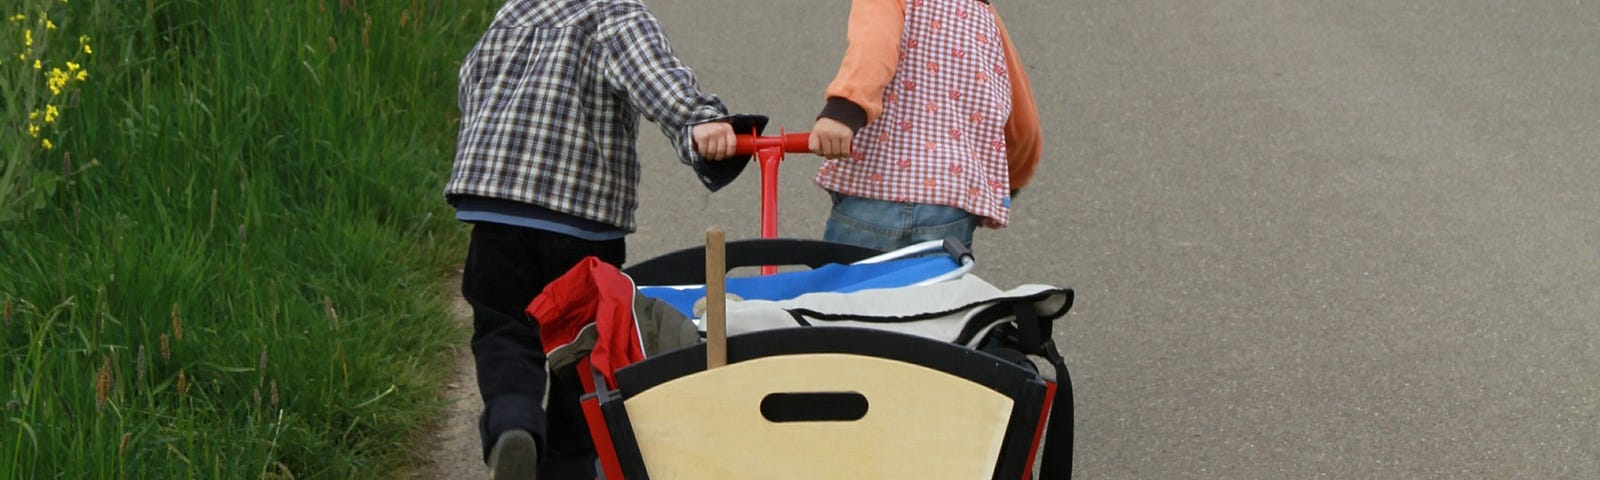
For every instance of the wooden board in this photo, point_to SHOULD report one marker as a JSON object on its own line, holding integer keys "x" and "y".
{"x": 920, "y": 423}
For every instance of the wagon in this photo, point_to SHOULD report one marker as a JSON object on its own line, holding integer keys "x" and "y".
{"x": 849, "y": 363}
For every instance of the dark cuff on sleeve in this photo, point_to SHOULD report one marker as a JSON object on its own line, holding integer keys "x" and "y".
{"x": 846, "y": 112}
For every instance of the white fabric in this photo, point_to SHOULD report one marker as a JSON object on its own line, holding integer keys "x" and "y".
{"x": 950, "y": 306}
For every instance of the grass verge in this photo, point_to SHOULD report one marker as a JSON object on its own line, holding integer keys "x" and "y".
{"x": 227, "y": 263}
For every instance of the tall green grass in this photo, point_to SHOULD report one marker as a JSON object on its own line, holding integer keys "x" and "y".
{"x": 238, "y": 273}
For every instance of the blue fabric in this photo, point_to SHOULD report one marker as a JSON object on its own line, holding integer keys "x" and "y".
{"x": 828, "y": 278}
{"x": 506, "y": 212}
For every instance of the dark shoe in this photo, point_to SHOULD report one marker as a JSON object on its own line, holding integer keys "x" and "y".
{"x": 515, "y": 457}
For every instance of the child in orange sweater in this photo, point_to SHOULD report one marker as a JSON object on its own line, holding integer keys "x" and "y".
{"x": 929, "y": 127}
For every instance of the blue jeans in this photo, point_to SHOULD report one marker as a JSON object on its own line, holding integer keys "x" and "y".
{"x": 886, "y": 225}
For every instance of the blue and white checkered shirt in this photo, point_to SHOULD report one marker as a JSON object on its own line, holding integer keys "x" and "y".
{"x": 550, "y": 99}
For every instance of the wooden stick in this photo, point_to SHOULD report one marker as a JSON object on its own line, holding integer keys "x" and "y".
{"x": 716, "y": 300}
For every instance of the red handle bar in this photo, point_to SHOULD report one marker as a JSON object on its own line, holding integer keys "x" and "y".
{"x": 796, "y": 142}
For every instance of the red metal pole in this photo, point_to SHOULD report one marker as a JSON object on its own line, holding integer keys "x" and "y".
{"x": 768, "y": 159}
{"x": 769, "y": 152}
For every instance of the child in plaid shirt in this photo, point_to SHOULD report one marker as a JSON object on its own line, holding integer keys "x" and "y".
{"x": 546, "y": 173}
{"x": 930, "y": 126}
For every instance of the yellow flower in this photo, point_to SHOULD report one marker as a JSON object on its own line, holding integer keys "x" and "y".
{"x": 86, "y": 50}
{"x": 50, "y": 113}
{"x": 57, "y": 80}
{"x": 49, "y": 25}
{"x": 18, "y": 18}
{"x": 45, "y": 144}
{"x": 83, "y": 75}
{"x": 33, "y": 130}
{"x": 72, "y": 66}
{"x": 37, "y": 65}
{"x": 27, "y": 38}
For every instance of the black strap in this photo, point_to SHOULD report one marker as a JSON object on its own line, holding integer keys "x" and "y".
{"x": 1033, "y": 338}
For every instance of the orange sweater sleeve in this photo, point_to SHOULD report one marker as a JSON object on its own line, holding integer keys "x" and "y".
{"x": 872, "y": 56}
{"x": 1023, "y": 135}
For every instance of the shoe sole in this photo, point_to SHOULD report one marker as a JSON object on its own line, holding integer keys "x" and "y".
{"x": 515, "y": 457}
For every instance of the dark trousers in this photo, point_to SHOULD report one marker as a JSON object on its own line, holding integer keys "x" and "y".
{"x": 506, "y": 267}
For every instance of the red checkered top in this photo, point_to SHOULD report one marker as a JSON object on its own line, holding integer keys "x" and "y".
{"x": 941, "y": 138}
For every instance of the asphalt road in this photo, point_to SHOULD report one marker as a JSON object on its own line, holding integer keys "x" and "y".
{"x": 1331, "y": 238}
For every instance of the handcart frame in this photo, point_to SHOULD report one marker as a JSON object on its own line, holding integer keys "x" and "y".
{"x": 1001, "y": 366}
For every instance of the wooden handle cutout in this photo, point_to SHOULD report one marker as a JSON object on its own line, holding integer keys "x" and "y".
{"x": 814, "y": 407}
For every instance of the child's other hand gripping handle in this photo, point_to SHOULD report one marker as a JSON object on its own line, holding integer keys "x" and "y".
{"x": 714, "y": 140}
{"x": 831, "y": 138}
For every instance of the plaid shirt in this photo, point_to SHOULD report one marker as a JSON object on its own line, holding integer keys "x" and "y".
{"x": 550, "y": 99}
